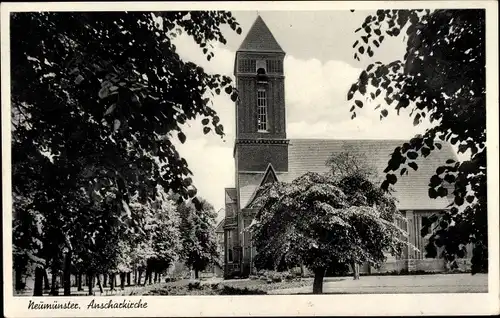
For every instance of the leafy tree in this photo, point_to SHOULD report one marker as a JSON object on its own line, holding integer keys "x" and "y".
{"x": 350, "y": 163}
{"x": 96, "y": 100}
{"x": 199, "y": 244}
{"x": 319, "y": 222}
{"x": 441, "y": 77}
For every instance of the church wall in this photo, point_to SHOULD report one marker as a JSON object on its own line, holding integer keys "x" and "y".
{"x": 256, "y": 157}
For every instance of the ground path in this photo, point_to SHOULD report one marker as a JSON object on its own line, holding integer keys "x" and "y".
{"x": 438, "y": 283}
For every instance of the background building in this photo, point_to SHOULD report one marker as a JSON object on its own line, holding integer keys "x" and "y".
{"x": 262, "y": 153}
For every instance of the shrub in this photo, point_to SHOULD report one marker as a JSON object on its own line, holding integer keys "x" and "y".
{"x": 229, "y": 290}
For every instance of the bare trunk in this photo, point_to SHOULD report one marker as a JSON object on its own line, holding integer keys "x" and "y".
{"x": 38, "y": 290}
{"x": 319, "y": 274}
{"x": 54, "y": 288}
{"x": 90, "y": 280}
{"x": 111, "y": 281}
{"x": 355, "y": 270}
{"x": 196, "y": 274}
{"x": 150, "y": 278}
{"x": 122, "y": 280}
{"x": 46, "y": 284}
{"x": 67, "y": 274}
{"x": 128, "y": 278}
{"x": 302, "y": 271}
{"x": 19, "y": 279}
{"x": 105, "y": 279}
{"x": 79, "y": 282}
{"x": 139, "y": 277}
{"x": 156, "y": 278}
{"x": 99, "y": 284}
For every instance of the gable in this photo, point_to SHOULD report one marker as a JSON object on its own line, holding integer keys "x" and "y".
{"x": 268, "y": 177}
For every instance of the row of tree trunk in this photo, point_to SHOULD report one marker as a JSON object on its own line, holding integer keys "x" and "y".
{"x": 88, "y": 279}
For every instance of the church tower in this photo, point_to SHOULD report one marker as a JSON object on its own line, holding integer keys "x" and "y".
{"x": 260, "y": 109}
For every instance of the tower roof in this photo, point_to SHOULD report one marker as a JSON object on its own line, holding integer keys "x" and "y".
{"x": 260, "y": 39}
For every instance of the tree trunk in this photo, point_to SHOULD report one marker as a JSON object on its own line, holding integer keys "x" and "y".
{"x": 38, "y": 290}
{"x": 196, "y": 274}
{"x": 122, "y": 280}
{"x": 302, "y": 271}
{"x": 139, "y": 276}
{"x": 128, "y": 278}
{"x": 319, "y": 274}
{"x": 111, "y": 282}
{"x": 150, "y": 277}
{"x": 355, "y": 270}
{"x": 54, "y": 288}
{"x": 46, "y": 284}
{"x": 156, "y": 277}
{"x": 105, "y": 280}
{"x": 67, "y": 274}
{"x": 79, "y": 282}
{"x": 99, "y": 284}
{"x": 90, "y": 280}
{"x": 19, "y": 279}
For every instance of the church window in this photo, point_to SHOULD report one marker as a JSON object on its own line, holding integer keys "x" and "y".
{"x": 247, "y": 66}
{"x": 261, "y": 110}
{"x": 230, "y": 255}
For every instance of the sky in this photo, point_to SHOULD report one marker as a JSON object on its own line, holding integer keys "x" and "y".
{"x": 319, "y": 70}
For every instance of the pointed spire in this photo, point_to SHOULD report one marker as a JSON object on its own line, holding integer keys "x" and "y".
{"x": 260, "y": 39}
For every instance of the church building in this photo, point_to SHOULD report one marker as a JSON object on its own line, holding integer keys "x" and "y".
{"x": 263, "y": 153}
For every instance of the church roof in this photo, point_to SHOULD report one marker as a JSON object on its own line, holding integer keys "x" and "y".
{"x": 260, "y": 39}
{"x": 310, "y": 155}
{"x": 220, "y": 227}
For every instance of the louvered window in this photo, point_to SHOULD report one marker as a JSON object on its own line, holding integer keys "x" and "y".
{"x": 274, "y": 66}
{"x": 247, "y": 66}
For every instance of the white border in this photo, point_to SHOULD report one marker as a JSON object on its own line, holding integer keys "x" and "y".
{"x": 402, "y": 304}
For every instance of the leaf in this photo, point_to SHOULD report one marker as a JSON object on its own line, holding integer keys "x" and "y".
{"x": 182, "y": 137}
{"x": 384, "y": 112}
{"x": 450, "y": 161}
{"x": 413, "y": 165}
{"x": 416, "y": 120}
{"x": 358, "y": 103}
{"x": 206, "y": 130}
{"x": 425, "y": 151}
{"x": 110, "y": 109}
{"x": 205, "y": 121}
{"x": 103, "y": 92}
{"x": 438, "y": 145}
{"x": 470, "y": 198}
{"x": 79, "y": 79}
{"x": 403, "y": 171}
{"x": 234, "y": 96}
{"x": 116, "y": 124}
{"x": 355, "y": 43}
{"x": 412, "y": 155}
{"x": 391, "y": 178}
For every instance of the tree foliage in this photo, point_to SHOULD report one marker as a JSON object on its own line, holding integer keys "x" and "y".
{"x": 318, "y": 222}
{"x": 442, "y": 78}
{"x": 97, "y": 100}
{"x": 199, "y": 244}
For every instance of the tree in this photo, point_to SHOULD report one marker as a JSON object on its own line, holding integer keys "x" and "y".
{"x": 199, "y": 244}
{"x": 441, "y": 77}
{"x": 96, "y": 100}
{"x": 317, "y": 221}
